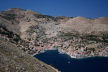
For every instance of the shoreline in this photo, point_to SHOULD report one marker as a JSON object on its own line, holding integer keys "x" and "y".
{"x": 72, "y": 57}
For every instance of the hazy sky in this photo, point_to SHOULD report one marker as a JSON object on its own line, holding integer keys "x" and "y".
{"x": 86, "y": 8}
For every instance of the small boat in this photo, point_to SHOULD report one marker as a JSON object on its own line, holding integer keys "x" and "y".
{"x": 69, "y": 62}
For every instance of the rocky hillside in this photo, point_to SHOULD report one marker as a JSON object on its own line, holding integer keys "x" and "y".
{"x": 33, "y": 33}
{"x": 12, "y": 59}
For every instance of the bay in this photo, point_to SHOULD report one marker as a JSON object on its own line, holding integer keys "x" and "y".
{"x": 64, "y": 63}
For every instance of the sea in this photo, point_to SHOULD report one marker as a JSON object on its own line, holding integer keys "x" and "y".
{"x": 65, "y": 63}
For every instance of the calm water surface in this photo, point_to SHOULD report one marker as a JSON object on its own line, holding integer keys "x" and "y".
{"x": 66, "y": 64}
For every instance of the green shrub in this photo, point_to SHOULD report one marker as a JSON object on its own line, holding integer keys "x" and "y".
{"x": 8, "y": 16}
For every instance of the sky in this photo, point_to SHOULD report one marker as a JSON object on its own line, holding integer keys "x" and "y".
{"x": 71, "y": 8}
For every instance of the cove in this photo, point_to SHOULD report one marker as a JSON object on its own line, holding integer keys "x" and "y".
{"x": 64, "y": 63}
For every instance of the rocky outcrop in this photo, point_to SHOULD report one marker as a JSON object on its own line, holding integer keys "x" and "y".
{"x": 33, "y": 32}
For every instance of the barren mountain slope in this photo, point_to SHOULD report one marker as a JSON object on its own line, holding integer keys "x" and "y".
{"x": 12, "y": 59}
{"x": 83, "y": 25}
{"x": 19, "y": 21}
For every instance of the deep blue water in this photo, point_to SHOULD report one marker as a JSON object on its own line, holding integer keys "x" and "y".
{"x": 66, "y": 64}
